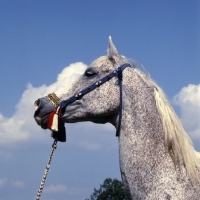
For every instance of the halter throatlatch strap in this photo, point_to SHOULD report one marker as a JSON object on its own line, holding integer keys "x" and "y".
{"x": 120, "y": 76}
{"x": 116, "y": 73}
{"x": 54, "y": 145}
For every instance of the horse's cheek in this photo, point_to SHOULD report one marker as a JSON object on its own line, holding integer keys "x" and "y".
{"x": 104, "y": 100}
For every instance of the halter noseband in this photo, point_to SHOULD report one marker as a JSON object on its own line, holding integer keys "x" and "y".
{"x": 63, "y": 104}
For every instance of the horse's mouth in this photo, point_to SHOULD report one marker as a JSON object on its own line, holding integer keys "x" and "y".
{"x": 43, "y": 122}
{"x": 38, "y": 120}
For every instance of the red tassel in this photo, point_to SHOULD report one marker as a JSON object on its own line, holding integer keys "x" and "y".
{"x": 53, "y": 119}
{"x": 50, "y": 121}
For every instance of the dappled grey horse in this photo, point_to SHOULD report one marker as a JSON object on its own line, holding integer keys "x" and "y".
{"x": 157, "y": 158}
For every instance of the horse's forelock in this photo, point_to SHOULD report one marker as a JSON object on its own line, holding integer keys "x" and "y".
{"x": 103, "y": 63}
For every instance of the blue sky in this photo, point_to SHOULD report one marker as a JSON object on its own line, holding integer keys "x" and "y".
{"x": 38, "y": 39}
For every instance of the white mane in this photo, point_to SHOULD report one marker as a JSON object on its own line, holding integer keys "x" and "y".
{"x": 177, "y": 140}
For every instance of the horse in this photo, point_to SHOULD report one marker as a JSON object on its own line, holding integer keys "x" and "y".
{"x": 157, "y": 157}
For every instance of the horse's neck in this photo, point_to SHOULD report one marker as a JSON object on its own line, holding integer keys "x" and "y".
{"x": 141, "y": 132}
{"x": 147, "y": 168}
{"x": 141, "y": 139}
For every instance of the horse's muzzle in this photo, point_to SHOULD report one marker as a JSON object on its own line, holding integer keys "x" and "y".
{"x": 43, "y": 108}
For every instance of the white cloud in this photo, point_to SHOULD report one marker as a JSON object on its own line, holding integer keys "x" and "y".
{"x": 64, "y": 189}
{"x": 21, "y": 126}
{"x": 189, "y": 101}
{"x": 55, "y": 189}
{"x": 17, "y": 184}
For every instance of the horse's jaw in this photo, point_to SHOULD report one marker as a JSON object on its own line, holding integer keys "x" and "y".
{"x": 77, "y": 112}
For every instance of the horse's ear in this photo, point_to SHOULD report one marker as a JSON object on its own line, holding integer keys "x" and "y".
{"x": 112, "y": 51}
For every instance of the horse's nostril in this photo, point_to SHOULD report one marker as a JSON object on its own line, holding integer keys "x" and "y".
{"x": 36, "y": 104}
{"x": 35, "y": 107}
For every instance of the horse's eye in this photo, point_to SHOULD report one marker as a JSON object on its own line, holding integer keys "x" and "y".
{"x": 90, "y": 72}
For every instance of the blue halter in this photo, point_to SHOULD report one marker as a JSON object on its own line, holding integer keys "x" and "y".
{"x": 117, "y": 72}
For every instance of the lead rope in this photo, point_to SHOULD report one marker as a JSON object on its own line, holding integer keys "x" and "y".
{"x": 54, "y": 145}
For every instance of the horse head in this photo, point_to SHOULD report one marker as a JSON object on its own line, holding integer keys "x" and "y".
{"x": 99, "y": 106}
